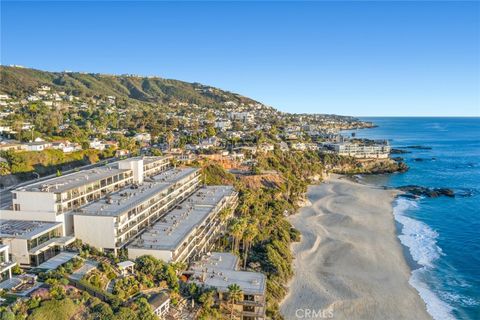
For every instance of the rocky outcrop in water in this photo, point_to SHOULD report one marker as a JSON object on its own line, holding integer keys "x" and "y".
{"x": 424, "y": 159}
{"x": 416, "y": 147}
{"x": 398, "y": 151}
{"x": 414, "y": 191}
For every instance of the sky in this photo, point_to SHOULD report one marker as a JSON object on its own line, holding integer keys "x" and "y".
{"x": 382, "y": 58}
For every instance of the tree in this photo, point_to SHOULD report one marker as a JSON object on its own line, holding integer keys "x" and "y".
{"x": 145, "y": 310}
{"x": 207, "y": 299}
{"x": 102, "y": 311}
{"x": 250, "y": 233}
{"x": 16, "y": 270}
{"x": 236, "y": 229}
{"x": 234, "y": 294}
{"x": 7, "y": 315}
{"x": 210, "y": 117}
{"x": 210, "y": 131}
{"x": 171, "y": 277}
{"x": 147, "y": 264}
{"x": 125, "y": 314}
{"x": 170, "y": 139}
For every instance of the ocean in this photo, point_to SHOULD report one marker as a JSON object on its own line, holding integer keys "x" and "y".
{"x": 441, "y": 235}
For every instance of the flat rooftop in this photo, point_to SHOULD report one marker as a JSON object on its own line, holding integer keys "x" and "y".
{"x": 73, "y": 180}
{"x": 148, "y": 160}
{"x": 219, "y": 270}
{"x": 21, "y": 229}
{"x": 122, "y": 201}
{"x": 171, "y": 230}
{"x": 173, "y": 175}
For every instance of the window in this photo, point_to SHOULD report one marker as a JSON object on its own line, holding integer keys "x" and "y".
{"x": 248, "y": 297}
{"x": 16, "y": 207}
{"x": 14, "y": 195}
{"x": 249, "y": 308}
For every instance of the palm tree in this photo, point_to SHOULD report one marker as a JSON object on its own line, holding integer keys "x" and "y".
{"x": 170, "y": 139}
{"x": 236, "y": 229}
{"x": 235, "y": 293}
{"x": 250, "y": 233}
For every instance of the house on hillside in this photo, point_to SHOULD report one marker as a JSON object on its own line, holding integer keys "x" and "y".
{"x": 299, "y": 146}
{"x": 160, "y": 304}
{"x": 36, "y": 146}
{"x": 143, "y": 137}
{"x": 66, "y": 146}
{"x": 283, "y": 146}
{"x": 265, "y": 147}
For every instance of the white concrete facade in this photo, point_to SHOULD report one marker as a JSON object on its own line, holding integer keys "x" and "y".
{"x": 189, "y": 230}
{"x": 33, "y": 242}
{"x": 6, "y": 264}
{"x": 111, "y": 224}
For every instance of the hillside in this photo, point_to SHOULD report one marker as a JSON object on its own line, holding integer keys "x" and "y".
{"x": 17, "y": 82}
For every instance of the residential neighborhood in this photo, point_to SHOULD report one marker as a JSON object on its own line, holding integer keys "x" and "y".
{"x": 171, "y": 210}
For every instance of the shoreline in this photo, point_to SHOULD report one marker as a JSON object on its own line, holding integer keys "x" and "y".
{"x": 350, "y": 264}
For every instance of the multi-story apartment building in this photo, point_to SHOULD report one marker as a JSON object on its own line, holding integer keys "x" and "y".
{"x": 33, "y": 242}
{"x": 6, "y": 263}
{"x": 154, "y": 165}
{"x": 112, "y": 222}
{"x": 365, "y": 151}
{"x": 220, "y": 270}
{"x": 189, "y": 230}
{"x": 56, "y": 198}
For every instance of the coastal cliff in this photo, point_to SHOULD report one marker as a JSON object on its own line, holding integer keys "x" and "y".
{"x": 371, "y": 166}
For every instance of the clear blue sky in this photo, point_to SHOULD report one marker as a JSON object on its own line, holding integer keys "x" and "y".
{"x": 354, "y": 58}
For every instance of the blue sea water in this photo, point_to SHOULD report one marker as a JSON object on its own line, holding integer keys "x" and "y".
{"x": 442, "y": 235}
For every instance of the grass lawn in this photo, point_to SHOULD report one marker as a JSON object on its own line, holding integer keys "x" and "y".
{"x": 55, "y": 310}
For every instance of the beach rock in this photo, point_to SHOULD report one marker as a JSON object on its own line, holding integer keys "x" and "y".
{"x": 416, "y": 147}
{"x": 398, "y": 159}
{"x": 409, "y": 196}
{"x": 424, "y": 159}
{"x": 398, "y": 151}
{"x": 445, "y": 192}
{"x": 465, "y": 193}
{"x": 304, "y": 202}
{"x": 427, "y": 192}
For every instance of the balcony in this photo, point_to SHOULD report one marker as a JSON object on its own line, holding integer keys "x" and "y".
{"x": 251, "y": 303}
{"x": 5, "y": 265}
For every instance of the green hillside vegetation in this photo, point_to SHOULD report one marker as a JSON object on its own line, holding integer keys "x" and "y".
{"x": 47, "y": 161}
{"x": 16, "y": 81}
{"x": 260, "y": 233}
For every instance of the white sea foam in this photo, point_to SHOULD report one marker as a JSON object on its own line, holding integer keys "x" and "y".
{"x": 420, "y": 239}
{"x": 437, "y": 308}
{"x": 458, "y": 298}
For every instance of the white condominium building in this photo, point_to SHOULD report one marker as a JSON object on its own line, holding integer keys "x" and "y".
{"x": 54, "y": 199}
{"x": 33, "y": 242}
{"x": 154, "y": 165}
{"x": 219, "y": 270}
{"x": 110, "y": 223}
{"x": 189, "y": 230}
{"x": 6, "y": 264}
{"x": 366, "y": 151}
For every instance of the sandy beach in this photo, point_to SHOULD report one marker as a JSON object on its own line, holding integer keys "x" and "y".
{"x": 349, "y": 263}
